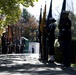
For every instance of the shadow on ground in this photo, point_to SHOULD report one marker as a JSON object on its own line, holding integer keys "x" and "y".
{"x": 32, "y": 67}
{"x": 36, "y": 69}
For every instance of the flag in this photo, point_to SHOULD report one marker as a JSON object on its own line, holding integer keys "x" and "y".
{"x": 41, "y": 30}
{"x": 40, "y": 18}
{"x": 63, "y": 9}
{"x": 64, "y": 5}
{"x": 49, "y": 14}
{"x": 43, "y": 19}
{"x": 9, "y": 32}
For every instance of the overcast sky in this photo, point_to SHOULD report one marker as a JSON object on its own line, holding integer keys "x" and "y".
{"x": 56, "y": 8}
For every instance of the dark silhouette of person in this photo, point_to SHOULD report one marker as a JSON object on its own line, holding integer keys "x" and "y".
{"x": 65, "y": 38}
{"x": 4, "y": 43}
{"x": 9, "y": 45}
{"x": 33, "y": 50}
{"x": 51, "y": 39}
{"x": 22, "y": 45}
{"x": 17, "y": 41}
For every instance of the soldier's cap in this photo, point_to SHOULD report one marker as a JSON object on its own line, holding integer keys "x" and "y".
{"x": 52, "y": 19}
{"x": 66, "y": 12}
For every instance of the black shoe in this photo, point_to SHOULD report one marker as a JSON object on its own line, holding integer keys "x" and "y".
{"x": 50, "y": 61}
{"x": 65, "y": 66}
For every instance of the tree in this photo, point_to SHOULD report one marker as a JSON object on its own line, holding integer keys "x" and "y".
{"x": 25, "y": 16}
{"x": 30, "y": 31}
{"x": 11, "y": 9}
{"x": 28, "y": 25}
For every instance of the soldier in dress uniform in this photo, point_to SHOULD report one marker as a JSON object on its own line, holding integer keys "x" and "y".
{"x": 4, "y": 43}
{"x": 51, "y": 39}
{"x": 65, "y": 38}
{"x": 22, "y": 45}
{"x": 17, "y": 45}
{"x": 10, "y": 45}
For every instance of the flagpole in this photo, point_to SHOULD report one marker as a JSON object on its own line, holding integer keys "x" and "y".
{"x": 40, "y": 18}
{"x": 63, "y": 9}
{"x": 47, "y": 24}
{"x": 49, "y": 14}
{"x": 41, "y": 28}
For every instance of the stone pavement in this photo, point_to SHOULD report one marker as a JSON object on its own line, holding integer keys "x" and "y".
{"x": 28, "y": 64}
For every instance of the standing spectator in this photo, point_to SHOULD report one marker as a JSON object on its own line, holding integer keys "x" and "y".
{"x": 22, "y": 45}
{"x": 4, "y": 43}
{"x": 10, "y": 45}
{"x": 33, "y": 50}
{"x": 17, "y": 45}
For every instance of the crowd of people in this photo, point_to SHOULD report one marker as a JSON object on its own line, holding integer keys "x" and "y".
{"x": 10, "y": 45}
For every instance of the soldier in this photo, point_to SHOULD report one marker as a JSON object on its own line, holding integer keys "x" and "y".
{"x": 4, "y": 43}
{"x": 22, "y": 45}
{"x": 17, "y": 41}
{"x": 51, "y": 39}
{"x": 10, "y": 45}
{"x": 65, "y": 38}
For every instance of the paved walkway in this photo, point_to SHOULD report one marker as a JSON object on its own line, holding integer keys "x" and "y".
{"x": 28, "y": 64}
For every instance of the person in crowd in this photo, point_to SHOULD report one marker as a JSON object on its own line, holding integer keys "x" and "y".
{"x": 33, "y": 50}
{"x": 10, "y": 45}
{"x": 22, "y": 45}
{"x": 17, "y": 45}
{"x": 4, "y": 43}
